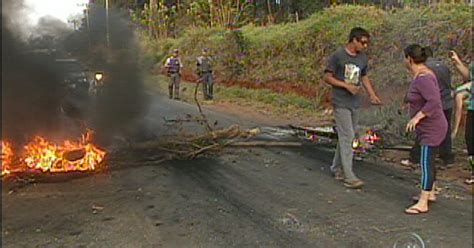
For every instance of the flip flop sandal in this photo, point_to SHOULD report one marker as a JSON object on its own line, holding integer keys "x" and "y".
{"x": 417, "y": 211}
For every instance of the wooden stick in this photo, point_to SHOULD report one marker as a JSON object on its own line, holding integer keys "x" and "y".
{"x": 196, "y": 153}
{"x": 265, "y": 143}
{"x": 229, "y": 132}
{"x": 208, "y": 127}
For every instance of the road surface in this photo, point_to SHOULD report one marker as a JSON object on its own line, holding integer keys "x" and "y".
{"x": 250, "y": 197}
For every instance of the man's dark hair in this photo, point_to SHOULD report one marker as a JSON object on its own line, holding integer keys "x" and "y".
{"x": 418, "y": 53}
{"x": 358, "y": 33}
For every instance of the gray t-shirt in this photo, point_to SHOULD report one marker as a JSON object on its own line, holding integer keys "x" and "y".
{"x": 349, "y": 68}
{"x": 443, "y": 75}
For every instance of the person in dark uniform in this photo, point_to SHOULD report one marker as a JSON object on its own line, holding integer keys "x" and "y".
{"x": 204, "y": 70}
{"x": 174, "y": 66}
{"x": 96, "y": 84}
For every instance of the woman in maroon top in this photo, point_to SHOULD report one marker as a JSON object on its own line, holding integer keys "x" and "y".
{"x": 427, "y": 120}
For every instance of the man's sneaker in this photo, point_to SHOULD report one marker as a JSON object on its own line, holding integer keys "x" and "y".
{"x": 407, "y": 162}
{"x": 338, "y": 175}
{"x": 448, "y": 162}
{"x": 469, "y": 181}
{"x": 354, "y": 184}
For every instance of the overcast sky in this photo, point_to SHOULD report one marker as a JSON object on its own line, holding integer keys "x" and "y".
{"x": 61, "y": 9}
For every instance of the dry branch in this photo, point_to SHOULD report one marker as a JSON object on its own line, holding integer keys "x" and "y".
{"x": 265, "y": 143}
{"x": 185, "y": 147}
{"x": 208, "y": 127}
{"x": 213, "y": 141}
{"x": 192, "y": 147}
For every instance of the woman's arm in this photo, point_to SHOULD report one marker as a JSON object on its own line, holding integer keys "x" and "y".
{"x": 411, "y": 125}
{"x": 459, "y": 98}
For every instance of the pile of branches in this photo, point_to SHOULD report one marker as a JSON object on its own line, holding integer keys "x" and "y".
{"x": 190, "y": 147}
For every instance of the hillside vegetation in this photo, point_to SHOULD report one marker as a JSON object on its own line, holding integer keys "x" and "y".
{"x": 291, "y": 57}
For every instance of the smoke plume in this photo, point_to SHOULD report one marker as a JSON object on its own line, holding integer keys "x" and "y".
{"x": 30, "y": 88}
{"x": 33, "y": 90}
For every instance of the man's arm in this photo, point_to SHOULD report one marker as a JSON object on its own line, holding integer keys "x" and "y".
{"x": 374, "y": 99}
{"x": 462, "y": 92}
{"x": 458, "y": 64}
{"x": 198, "y": 65}
{"x": 330, "y": 79}
{"x": 458, "y": 104}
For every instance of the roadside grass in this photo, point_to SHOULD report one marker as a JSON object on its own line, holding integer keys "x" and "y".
{"x": 278, "y": 103}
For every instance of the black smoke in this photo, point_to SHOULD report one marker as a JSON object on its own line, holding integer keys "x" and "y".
{"x": 33, "y": 89}
{"x": 112, "y": 49}
{"x": 30, "y": 88}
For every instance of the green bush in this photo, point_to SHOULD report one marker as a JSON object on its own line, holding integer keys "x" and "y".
{"x": 296, "y": 52}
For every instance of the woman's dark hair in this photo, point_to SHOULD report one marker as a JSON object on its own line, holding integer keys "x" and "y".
{"x": 418, "y": 53}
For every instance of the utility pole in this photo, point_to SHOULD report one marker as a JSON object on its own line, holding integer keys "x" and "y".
{"x": 211, "y": 13}
{"x": 86, "y": 13}
{"x": 74, "y": 23}
{"x": 87, "y": 18}
{"x": 107, "y": 36}
{"x": 270, "y": 15}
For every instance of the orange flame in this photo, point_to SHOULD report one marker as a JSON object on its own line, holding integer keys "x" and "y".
{"x": 45, "y": 156}
{"x": 6, "y": 158}
{"x": 355, "y": 143}
{"x": 371, "y": 137}
{"x": 366, "y": 142}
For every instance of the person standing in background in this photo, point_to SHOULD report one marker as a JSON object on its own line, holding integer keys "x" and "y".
{"x": 205, "y": 73}
{"x": 174, "y": 66}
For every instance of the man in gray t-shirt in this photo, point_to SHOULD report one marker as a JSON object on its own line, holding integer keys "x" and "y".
{"x": 350, "y": 69}
{"x": 346, "y": 72}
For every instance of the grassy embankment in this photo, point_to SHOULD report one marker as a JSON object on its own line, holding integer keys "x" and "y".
{"x": 282, "y": 65}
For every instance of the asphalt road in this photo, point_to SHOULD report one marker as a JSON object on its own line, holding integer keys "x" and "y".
{"x": 251, "y": 197}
